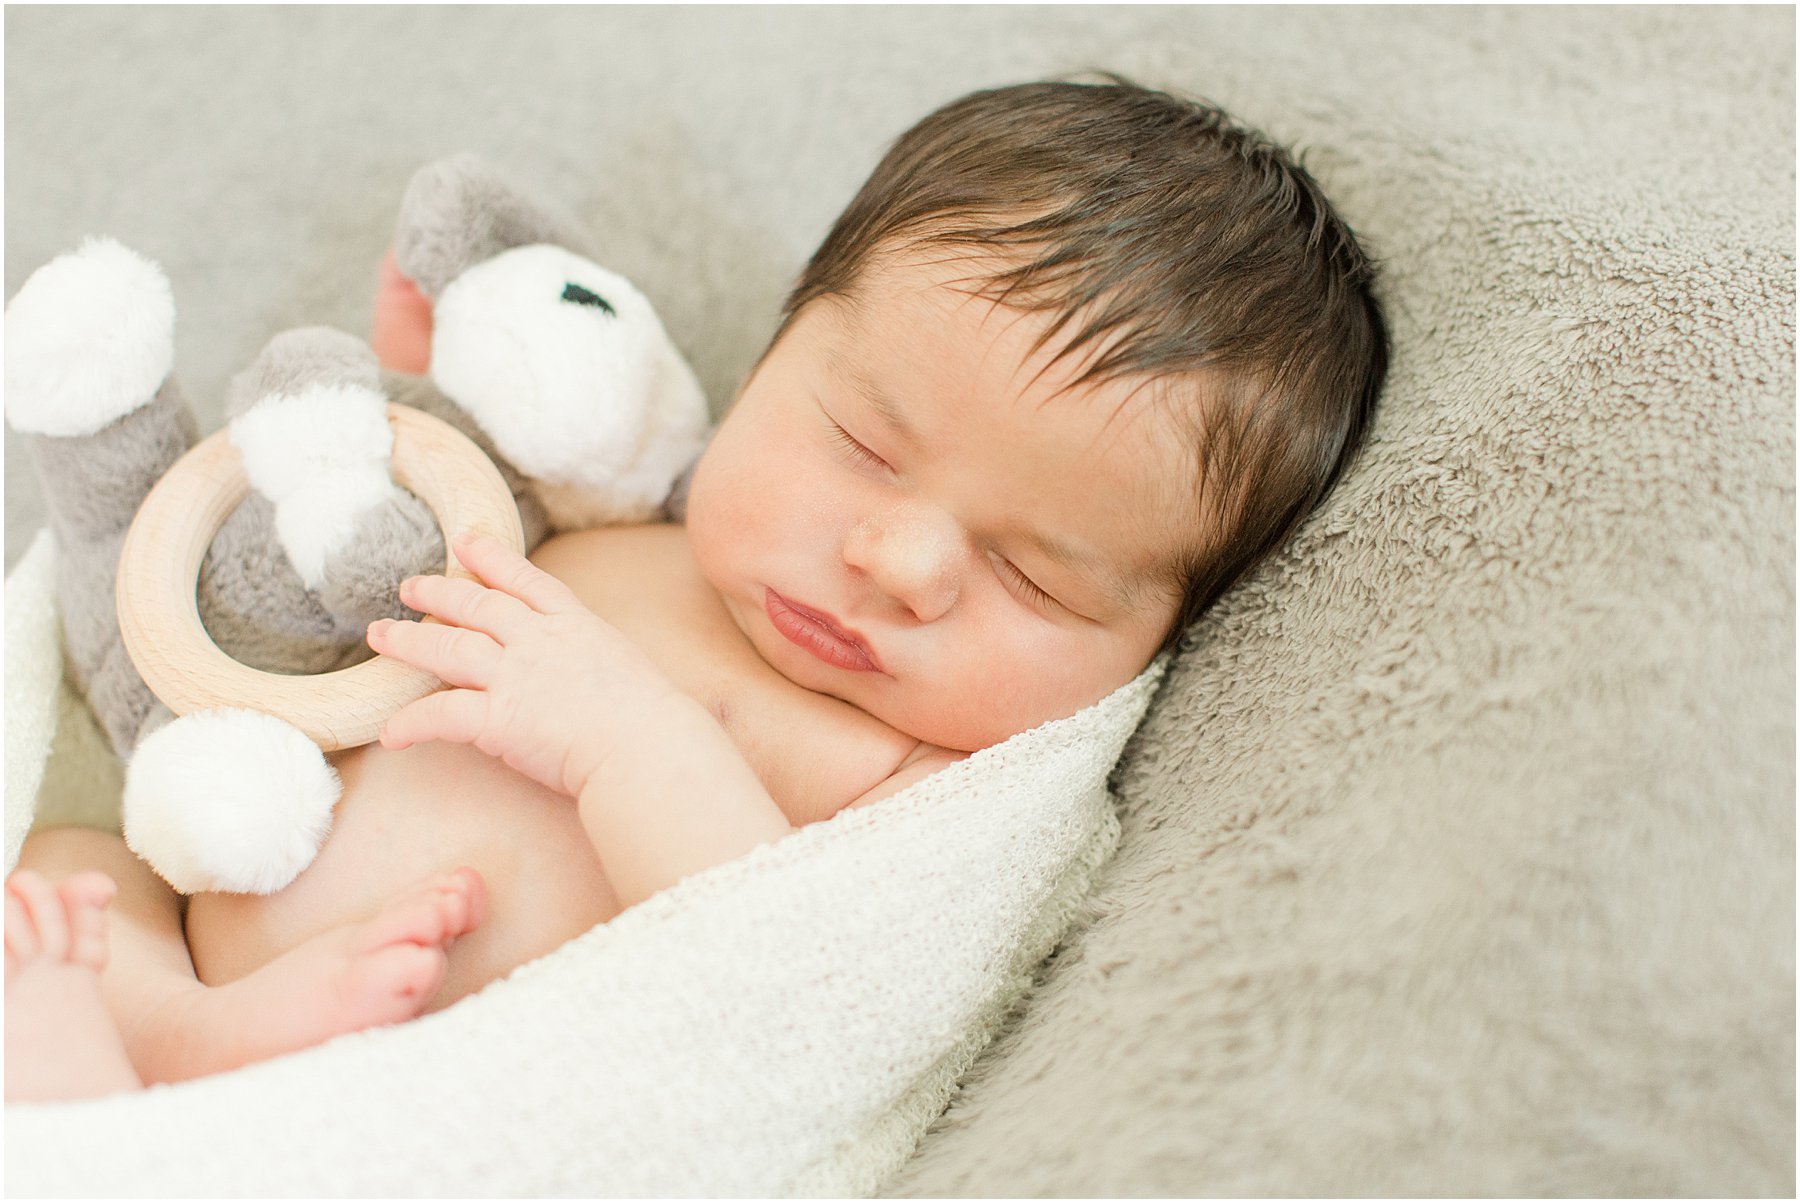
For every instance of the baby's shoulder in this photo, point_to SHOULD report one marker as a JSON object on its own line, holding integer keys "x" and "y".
{"x": 921, "y": 763}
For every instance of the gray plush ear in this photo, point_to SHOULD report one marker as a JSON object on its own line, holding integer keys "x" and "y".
{"x": 296, "y": 358}
{"x": 460, "y": 211}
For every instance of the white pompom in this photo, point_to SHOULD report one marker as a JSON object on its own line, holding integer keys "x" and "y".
{"x": 228, "y": 800}
{"x": 322, "y": 456}
{"x": 89, "y": 338}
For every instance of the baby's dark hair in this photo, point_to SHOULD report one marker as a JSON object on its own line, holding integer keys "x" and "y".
{"x": 1197, "y": 246}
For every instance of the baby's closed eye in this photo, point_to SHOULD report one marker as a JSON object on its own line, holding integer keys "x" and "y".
{"x": 854, "y": 449}
{"x": 1032, "y": 590}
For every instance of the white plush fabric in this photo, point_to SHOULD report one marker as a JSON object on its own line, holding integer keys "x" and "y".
{"x": 186, "y": 814}
{"x": 787, "y": 1023}
{"x": 63, "y": 387}
{"x": 528, "y": 363}
{"x": 322, "y": 455}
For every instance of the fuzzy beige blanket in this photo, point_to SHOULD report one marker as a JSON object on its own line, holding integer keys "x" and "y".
{"x": 1458, "y": 849}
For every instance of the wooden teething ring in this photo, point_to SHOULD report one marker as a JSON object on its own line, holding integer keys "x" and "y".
{"x": 159, "y": 567}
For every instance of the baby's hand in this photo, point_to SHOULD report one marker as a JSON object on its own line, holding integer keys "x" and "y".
{"x": 537, "y": 678}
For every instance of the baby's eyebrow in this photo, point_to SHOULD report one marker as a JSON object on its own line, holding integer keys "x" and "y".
{"x": 885, "y": 407}
{"x": 1118, "y": 590}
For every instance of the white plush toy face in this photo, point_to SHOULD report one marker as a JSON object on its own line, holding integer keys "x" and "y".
{"x": 567, "y": 368}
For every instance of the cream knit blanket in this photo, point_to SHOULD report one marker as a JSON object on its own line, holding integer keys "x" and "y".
{"x": 787, "y": 1023}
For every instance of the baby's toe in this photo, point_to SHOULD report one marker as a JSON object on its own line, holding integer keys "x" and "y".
{"x": 467, "y": 905}
{"x": 86, "y": 897}
{"x": 433, "y": 913}
{"x": 42, "y": 929}
{"x": 21, "y": 937}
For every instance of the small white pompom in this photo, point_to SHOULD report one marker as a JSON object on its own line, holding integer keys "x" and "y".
{"x": 233, "y": 801}
{"x": 322, "y": 456}
{"x": 89, "y": 338}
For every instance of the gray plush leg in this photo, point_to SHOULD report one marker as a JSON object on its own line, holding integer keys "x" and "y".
{"x": 255, "y": 606}
{"x": 362, "y": 583}
{"x": 92, "y": 487}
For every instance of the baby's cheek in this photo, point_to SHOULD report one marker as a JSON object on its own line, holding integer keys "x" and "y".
{"x": 987, "y": 689}
{"x": 1052, "y": 673}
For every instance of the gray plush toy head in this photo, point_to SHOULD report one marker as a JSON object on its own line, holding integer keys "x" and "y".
{"x": 561, "y": 362}
{"x": 459, "y": 211}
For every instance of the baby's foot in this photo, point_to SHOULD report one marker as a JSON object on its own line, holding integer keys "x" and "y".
{"x": 61, "y": 1043}
{"x": 401, "y": 329}
{"x": 359, "y": 976}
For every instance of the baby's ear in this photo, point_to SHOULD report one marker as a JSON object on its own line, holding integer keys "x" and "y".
{"x": 460, "y": 211}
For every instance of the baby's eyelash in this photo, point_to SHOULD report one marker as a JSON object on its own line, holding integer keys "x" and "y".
{"x": 1031, "y": 586}
{"x": 857, "y": 450}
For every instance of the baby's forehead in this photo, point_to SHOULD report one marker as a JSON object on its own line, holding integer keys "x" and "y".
{"x": 1043, "y": 361}
{"x": 953, "y": 293}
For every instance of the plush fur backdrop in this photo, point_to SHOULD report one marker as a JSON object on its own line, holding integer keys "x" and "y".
{"x": 1458, "y": 850}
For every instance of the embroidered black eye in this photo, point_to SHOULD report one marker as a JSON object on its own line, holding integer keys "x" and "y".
{"x": 581, "y": 296}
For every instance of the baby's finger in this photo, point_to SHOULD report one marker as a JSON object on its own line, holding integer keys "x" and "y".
{"x": 505, "y": 569}
{"x": 467, "y": 659}
{"x": 454, "y": 716}
{"x": 467, "y": 604}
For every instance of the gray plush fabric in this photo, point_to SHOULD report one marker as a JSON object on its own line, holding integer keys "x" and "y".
{"x": 115, "y": 467}
{"x": 1459, "y": 848}
{"x": 296, "y": 358}
{"x": 456, "y": 212}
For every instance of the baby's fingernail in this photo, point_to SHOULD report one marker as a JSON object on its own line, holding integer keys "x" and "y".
{"x": 464, "y": 539}
{"x": 380, "y": 626}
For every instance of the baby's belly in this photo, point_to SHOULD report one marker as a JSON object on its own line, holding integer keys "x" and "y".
{"x": 406, "y": 816}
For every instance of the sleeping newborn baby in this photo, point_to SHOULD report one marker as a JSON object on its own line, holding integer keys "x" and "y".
{"x": 1072, "y": 362}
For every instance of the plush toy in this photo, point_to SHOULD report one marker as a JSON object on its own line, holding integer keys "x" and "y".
{"x": 555, "y": 367}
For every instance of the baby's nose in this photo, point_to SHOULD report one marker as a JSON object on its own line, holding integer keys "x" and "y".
{"x": 911, "y": 558}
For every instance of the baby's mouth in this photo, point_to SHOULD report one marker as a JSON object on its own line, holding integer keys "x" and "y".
{"x": 819, "y": 633}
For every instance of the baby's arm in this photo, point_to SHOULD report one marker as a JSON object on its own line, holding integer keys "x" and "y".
{"x": 563, "y": 697}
